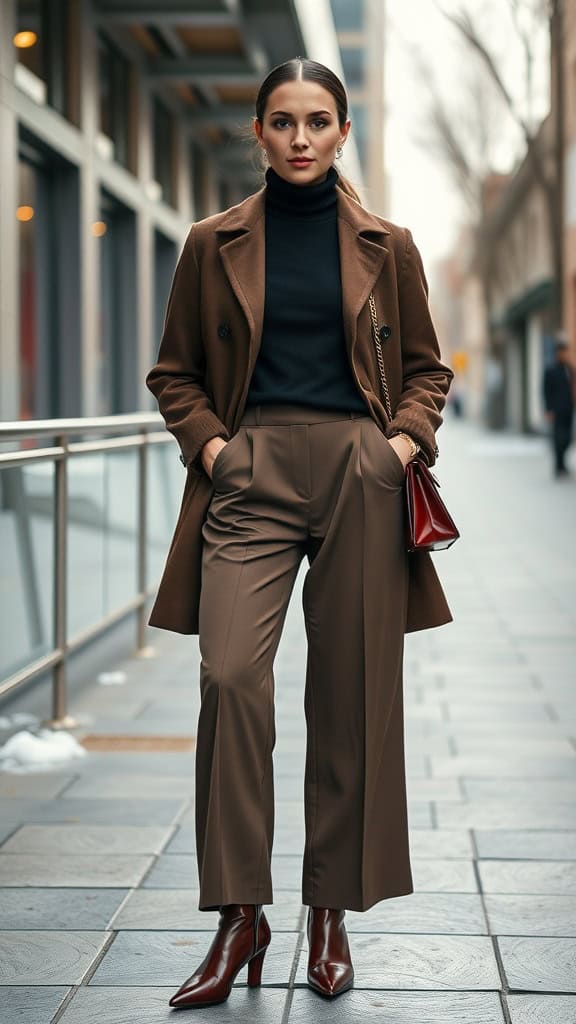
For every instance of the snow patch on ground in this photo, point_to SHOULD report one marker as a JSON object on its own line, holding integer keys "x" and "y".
{"x": 112, "y": 678}
{"x": 31, "y": 752}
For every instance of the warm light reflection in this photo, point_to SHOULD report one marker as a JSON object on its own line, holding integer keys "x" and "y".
{"x": 99, "y": 228}
{"x": 25, "y": 213}
{"x": 23, "y": 40}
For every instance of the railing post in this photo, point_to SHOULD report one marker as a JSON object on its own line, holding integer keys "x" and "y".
{"x": 144, "y": 650}
{"x": 60, "y": 719}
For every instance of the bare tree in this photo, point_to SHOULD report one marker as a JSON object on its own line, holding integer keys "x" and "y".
{"x": 526, "y": 16}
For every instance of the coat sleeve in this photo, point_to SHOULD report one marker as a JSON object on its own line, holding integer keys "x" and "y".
{"x": 426, "y": 379}
{"x": 177, "y": 379}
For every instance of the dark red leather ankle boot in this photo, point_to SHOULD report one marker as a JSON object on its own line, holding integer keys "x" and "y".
{"x": 330, "y": 969}
{"x": 242, "y": 938}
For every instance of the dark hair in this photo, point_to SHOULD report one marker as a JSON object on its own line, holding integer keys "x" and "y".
{"x": 311, "y": 71}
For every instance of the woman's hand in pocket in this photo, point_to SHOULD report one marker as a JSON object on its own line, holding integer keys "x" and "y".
{"x": 210, "y": 451}
{"x": 402, "y": 448}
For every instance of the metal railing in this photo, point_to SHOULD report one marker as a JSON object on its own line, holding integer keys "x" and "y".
{"x": 143, "y": 430}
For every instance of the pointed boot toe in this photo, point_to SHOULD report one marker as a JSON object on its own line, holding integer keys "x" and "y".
{"x": 330, "y": 979}
{"x": 330, "y": 969}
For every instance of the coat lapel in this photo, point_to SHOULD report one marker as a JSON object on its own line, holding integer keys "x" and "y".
{"x": 241, "y": 239}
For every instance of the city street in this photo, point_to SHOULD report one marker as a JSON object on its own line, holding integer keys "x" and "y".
{"x": 108, "y": 926}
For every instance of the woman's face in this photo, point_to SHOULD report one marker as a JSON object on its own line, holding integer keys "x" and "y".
{"x": 300, "y": 120}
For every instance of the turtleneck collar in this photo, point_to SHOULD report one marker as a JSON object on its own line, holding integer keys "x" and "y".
{"x": 287, "y": 197}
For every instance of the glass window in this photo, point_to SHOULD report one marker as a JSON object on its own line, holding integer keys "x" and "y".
{"x": 39, "y": 349}
{"x": 114, "y": 85}
{"x": 348, "y": 14}
{"x": 358, "y": 129}
{"x": 117, "y": 383}
{"x": 44, "y": 49}
{"x": 353, "y": 63}
{"x": 164, "y": 150}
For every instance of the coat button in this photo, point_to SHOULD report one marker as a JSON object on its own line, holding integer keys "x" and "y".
{"x": 223, "y": 330}
{"x": 384, "y": 332}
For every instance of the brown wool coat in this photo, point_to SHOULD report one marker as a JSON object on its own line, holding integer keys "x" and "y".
{"x": 208, "y": 350}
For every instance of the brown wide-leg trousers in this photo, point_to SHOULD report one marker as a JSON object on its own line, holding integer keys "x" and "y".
{"x": 294, "y": 481}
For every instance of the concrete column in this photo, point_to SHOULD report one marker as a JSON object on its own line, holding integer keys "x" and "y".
{"x": 9, "y": 255}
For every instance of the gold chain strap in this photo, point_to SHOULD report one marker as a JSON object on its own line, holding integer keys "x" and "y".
{"x": 379, "y": 356}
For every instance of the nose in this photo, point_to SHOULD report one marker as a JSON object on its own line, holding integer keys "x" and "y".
{"x": 300, "y": 137}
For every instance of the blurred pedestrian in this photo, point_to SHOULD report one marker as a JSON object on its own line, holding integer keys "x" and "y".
{"x": 559, "y": 397}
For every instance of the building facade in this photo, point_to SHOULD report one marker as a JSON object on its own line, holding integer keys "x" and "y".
{"x": 570, "y": 172}
{"x": 121, "y": 123}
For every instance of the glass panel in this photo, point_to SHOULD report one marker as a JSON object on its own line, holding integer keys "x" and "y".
{"x": 114, "y": 85}
{"x": 347, "y": 15}
{"x": 163, "y": 150}
{"x": 167, "y": 477}
{"x": 102, "y": 535}
{"x": 353, "y": 64}
{"x": 30, "y": 403}
{"x": 27, "y": 564}
{"x": 121, "y": 528}
{"x": 359, "y": 127}
{"x": 42, "y": 42}
{"x": 86, "y": 550}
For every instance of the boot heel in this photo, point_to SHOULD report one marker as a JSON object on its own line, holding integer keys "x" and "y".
{"x": 255, "y": 968}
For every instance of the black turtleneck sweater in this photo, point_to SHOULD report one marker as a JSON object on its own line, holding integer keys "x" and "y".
{"x": 302, "y": 356}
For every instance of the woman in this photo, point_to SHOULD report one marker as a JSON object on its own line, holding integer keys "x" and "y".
{"x": 268, "y": 378}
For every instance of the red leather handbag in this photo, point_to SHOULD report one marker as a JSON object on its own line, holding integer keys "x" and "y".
{"x": 429, "y": 525}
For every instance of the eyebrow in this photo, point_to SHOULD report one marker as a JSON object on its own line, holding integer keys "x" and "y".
{"x": 314, "y": 113}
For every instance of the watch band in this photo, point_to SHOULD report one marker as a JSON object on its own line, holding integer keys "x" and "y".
{"x": 414, "y": 446}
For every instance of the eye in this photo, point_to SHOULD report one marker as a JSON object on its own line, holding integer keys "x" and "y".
{"x": 283, "y": 120}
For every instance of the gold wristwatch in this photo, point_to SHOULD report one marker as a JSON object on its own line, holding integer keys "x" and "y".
{"x": 414, "y": 446}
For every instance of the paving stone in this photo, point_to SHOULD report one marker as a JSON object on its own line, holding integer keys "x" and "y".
{"x": 506, "y": 814}
{"x": 123, "y": 762}
{"x": 435, "y": 875}
{"x": 37, "y": 785}
{"x": 537, "y": 1009}
{"x": 117, "y": 786}
{"x": 532, "y": 915}
{"x": 56, "y": 870}
{"x": 497, "y": 769}
{"x": 24, "y": 1005}
{"x": 539, "y": 964}
{"x": 444, "y": 844}
{"x": 523, "y": 790}
{"x": 48, "y": 957}
{"x": 149, "y": 1005}
{"x": 87, "y": 839}
{"x": 526, "y": 845}
{"x": 168, "y": 958}
{"x": 517, "y": 876}
{"x": 434, "y": 789}
{"x": 392, "y": 1007}
{"x": 90, "y": 812}
{"x": 174, "y": 909}
{"x": 88, "y": 909}
{"x": 423, "y": 962}
{"x": 433, "y": 913}
{"x": 173, "y": 871}
{"x": 532, "y": 748}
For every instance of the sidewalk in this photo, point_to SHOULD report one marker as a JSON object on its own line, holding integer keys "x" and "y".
{"x": 98, "y": 876}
